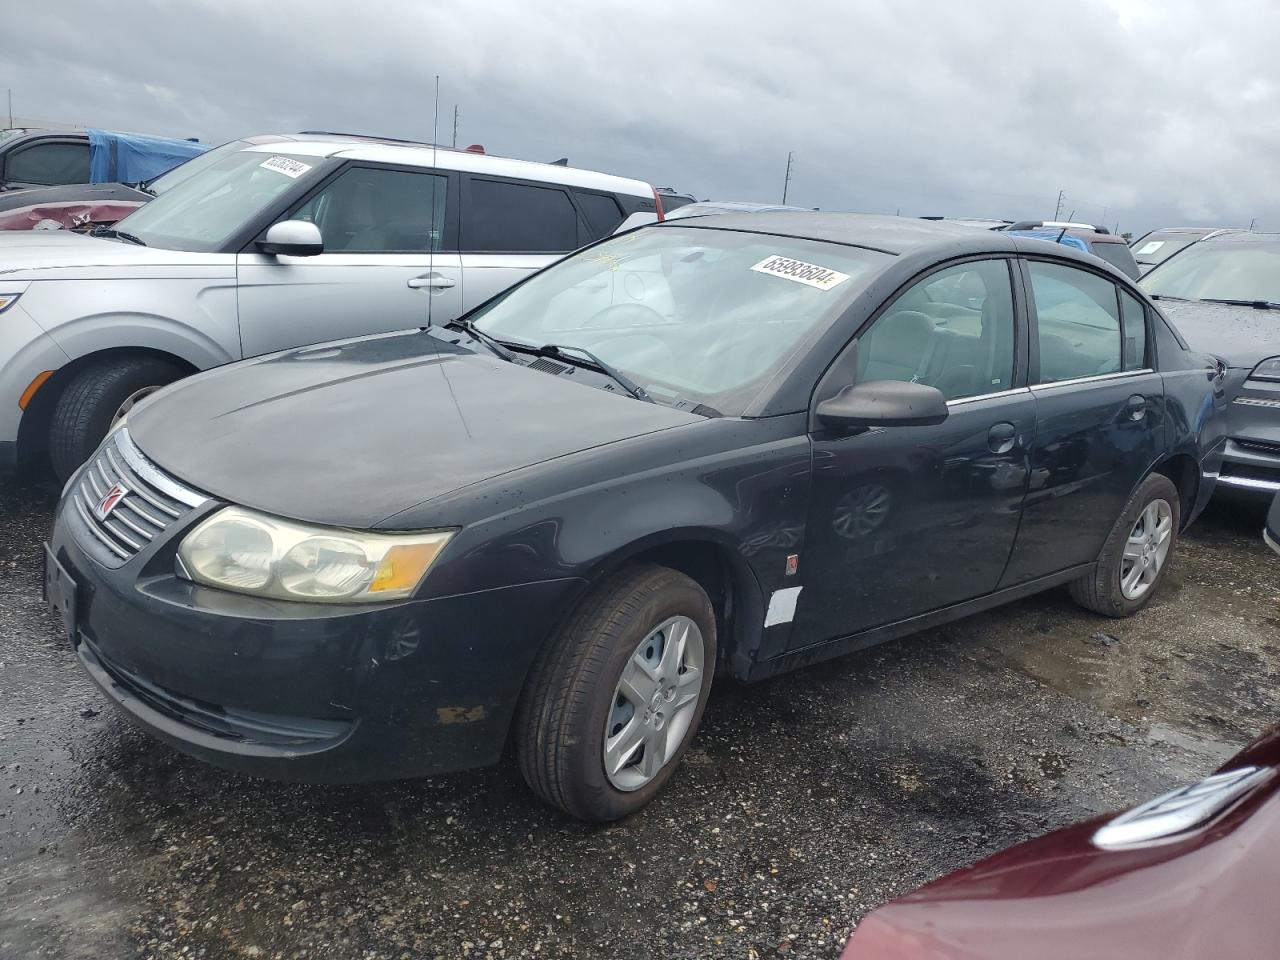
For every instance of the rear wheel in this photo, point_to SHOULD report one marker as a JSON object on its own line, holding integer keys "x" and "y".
{"x": 95, "y": 399}
{"x": 1137, "y": 552}
{"x": 617, "y": 695}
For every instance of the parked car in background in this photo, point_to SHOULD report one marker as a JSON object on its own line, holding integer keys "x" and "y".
{"x": 1154, "y": 248}
{"x": 1106, "y": 246}
{"x": 734, "y": 444}
{"x": 1223, "y": 294}
{"x": 41, "y": 158}
{"x": 86, "y": 206}
{"x": 1186, "y": 876}
{"x": 270, "y": 246}
{"x": 712, "y": 207}
{"x": 673, "y": 200}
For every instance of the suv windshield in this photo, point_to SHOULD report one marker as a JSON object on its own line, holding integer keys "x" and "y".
{"x": 184, "y": 171}
{"x": 1157, "y": 247}
{"x": 704, "y": 316}
{"x": 204, "y": 211}
{"x": 1220, "y": 271}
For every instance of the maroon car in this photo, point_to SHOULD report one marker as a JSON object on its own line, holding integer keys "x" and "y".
{"x": 1188, "y": 876}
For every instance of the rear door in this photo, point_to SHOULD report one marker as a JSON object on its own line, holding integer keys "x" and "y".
{"x": 904, "y": 520}
{"x": 510, "y": 228}
{"x": 1100, "y": 415}
{"x": 390, "y": 262}
{"x": 47, "y": 162}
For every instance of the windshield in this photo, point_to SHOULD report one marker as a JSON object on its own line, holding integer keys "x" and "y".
{"x": 204, "y": 211}
{"x": 706, "y": 316}
{"x": 1158, "y": 247}
{"x": 1220, "y": 271}
{"x": 184, "y": 171}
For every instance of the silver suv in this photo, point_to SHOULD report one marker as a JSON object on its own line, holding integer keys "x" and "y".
{"x": 279, "y": 244}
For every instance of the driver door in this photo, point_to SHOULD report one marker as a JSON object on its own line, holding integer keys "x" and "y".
{"x": 388, "y": 263}
{"x": 908, "y": 519}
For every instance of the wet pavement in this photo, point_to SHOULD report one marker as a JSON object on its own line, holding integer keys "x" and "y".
{"x": 805, "y": 801}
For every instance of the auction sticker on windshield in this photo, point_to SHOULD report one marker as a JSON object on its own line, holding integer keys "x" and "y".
{"x": 290, "y": 168}
{"x": 809, "y": 274}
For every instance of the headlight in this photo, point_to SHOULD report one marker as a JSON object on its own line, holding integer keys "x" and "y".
{"x": 248, "y": 552}
{"x": 7, "y": 300}
{"x": 1268, "y": 369}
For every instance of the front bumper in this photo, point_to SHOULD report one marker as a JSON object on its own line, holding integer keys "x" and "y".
{"x": 307, "y": 692}
{"x": 1251, "y": 461}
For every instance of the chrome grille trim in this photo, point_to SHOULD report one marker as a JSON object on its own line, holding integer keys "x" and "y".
{"x": 1256, "y": 402}
{"x": 151, "y": 502}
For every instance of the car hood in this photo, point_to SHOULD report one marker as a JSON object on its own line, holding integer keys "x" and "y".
{"x": 353, "y": 433}
{"x": 1239, "y": 335}
{"x": 35, "y": 254}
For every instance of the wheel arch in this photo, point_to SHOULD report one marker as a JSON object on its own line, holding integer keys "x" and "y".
{"x": 1183, "y": 471}
{"x": 33, "y": 428}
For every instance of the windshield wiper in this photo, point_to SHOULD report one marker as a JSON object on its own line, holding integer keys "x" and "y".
{"x": 576, "y": 355}
{"x": 1165, "y": 296}
{"x": 497, "y": 346}
{"x": 111, "y": 233}
{"x": 1256, "y": 304}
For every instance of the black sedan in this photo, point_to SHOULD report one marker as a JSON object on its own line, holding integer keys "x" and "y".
{"x": 723, "y": 446}
{"x": 1224, "y": 296}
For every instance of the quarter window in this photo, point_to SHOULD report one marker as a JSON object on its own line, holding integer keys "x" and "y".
{"x": 505, "y": 217}
{"x": 603, "y": 214}
{"x": 1078, "y": 321}
{"x": 49, "y": 164}
{"x": 952, "y": 330}
{"x": 371, "y": 210}
{"x": 1133, "y": 319}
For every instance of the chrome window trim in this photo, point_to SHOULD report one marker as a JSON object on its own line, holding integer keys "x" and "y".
{"x": 143, "y": 467}
{"x": 1098, "y": 378}
{"x": 988, "y": 396}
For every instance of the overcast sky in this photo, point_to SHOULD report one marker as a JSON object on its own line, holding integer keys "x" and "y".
{"x": 1143, "y": 113}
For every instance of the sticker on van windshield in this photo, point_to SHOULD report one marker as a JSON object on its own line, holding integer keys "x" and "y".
{"x": 810, "y": 274}
{"x": 290, "y": 168}
{"x": 1151, "y": 246}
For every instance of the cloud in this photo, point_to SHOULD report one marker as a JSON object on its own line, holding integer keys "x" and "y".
{"x": 1142, "y": 113}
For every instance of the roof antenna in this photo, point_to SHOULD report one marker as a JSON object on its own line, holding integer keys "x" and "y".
{"x": 431, "y": 232}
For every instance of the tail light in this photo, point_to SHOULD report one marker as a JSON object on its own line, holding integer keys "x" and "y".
{"x": 657, "y": 203}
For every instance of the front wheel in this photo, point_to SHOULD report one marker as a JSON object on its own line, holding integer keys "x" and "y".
{"x": 95, "y": 399}
{"x": 1137, "y": 552}
{"x": 615, "y": 698}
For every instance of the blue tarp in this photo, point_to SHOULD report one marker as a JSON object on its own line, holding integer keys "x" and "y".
{"x": 133, "y": 157}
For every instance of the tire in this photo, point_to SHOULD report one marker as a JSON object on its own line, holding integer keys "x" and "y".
{"x": 573, "y": 693}
{"x": 1102, "y": 591}
{"x": 90, "y": 400}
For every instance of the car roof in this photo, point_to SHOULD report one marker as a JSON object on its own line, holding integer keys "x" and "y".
{"x": 1241, "y": 236}
{"x": 895, "y": 235}
{"x": 350, "y": 147}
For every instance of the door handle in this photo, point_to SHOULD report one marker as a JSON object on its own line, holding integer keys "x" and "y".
{"x": 1001, "y": 437}
{"x": 1136, "y": 406}
{"x": 432, "y": 281}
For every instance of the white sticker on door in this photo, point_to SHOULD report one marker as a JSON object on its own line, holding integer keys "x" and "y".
{"x": 782, "y": 606}
{"x": 290, "y": 168}
{"x": 810, "y": 274}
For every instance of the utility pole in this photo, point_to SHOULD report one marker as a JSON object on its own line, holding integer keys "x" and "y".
{"x": 1058, "y": 209}
{"x": 455, "y": 126}
{"x": 11, "y": 109}
{"x": 787, "y": 179}
{"x": 1251, "y": 222}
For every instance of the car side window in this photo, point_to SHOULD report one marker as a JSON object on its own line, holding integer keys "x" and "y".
{"x": 1078, "y": 320}
{"x": 371, "y": 210}
{"x": 1133, "y": 320}
{"x": 603, "y": 213}
{"x": 49, "y": 164}
{"x": 953, "y": 330}
{"x": 502, "y": 217}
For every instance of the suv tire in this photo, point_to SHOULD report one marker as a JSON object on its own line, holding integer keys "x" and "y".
{"x": 570, "y": 707}
{"x": 91, "y": 400}
{"x": 1153, "y": 505}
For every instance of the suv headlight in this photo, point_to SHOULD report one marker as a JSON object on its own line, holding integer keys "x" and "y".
{"x": 1268, "y": 369}
{"x": 249, "y": 552}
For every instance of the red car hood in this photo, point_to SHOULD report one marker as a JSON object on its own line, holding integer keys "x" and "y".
{"x": 1206, "y": 893}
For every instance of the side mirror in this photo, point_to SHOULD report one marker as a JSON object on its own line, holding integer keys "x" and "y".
{"x": 292, "y": 238}
{"x": 883, "y": 403}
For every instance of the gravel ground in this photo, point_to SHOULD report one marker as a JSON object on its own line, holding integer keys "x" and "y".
{"x": 806, "y": 800}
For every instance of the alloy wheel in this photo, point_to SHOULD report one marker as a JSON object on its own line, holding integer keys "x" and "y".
{"x": 1147, "y": 549}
